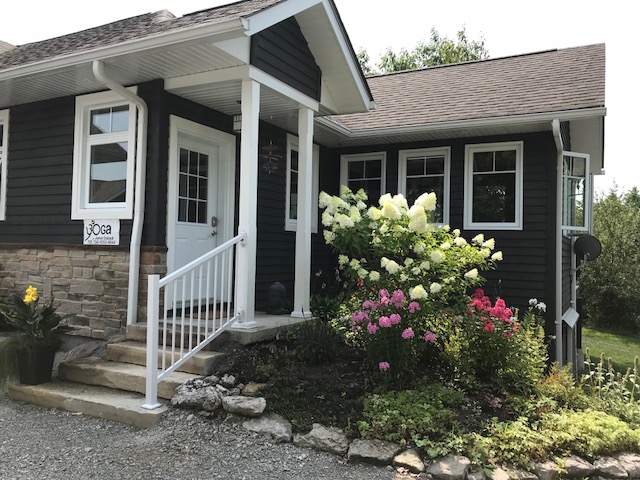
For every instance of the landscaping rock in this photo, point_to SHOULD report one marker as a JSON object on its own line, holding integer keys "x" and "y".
{"x": 631, "y": 463}
{"x": 500, "y": 474}
{"x": 517, "y": 474}
{"x": 576, "y": 467}
{"x": 228, "y": 381}
{"x": 609, "y": 467}
{"x": 194, "y": 394}
{"x": 329, "y": 439}
{"x": 270, "y": 424}
{"x": 547, "y": 471}
{"x": 247, "y": 406}
{"x": 476, "y": 474}
{"x": 410, "y": 460}
{"x": 451, "y": 467}
{"x": 252, "y": 389}
{"x": 377, "y": 452}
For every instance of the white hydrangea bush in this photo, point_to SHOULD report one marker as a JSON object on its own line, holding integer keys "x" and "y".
{"x": 394, "y": 245}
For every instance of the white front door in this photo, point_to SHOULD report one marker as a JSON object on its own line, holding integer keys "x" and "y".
{"x": 200, "y": 200}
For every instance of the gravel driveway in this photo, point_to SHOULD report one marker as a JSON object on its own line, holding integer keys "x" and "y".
{"x": 37, "y": 443}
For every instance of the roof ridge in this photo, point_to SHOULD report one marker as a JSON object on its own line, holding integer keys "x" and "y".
{"x": 484, "y": 60}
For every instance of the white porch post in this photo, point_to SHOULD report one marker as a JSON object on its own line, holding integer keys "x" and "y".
{"x": 247, "y": 222}
{"x": 302, "y": 292}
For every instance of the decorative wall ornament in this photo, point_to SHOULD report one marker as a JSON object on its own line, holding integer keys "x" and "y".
{"x": 270, "y": 158}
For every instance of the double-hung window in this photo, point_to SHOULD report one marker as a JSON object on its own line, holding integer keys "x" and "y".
{"x": 493, "y": 186}
{"x": 576, "y": 203}
{"x": 104, "y": 157}
{"x": 366, "y": 171}
{"x": 291, "y": 210}
{"x": 426, "y": 170}
{"x": 4, "y": 139}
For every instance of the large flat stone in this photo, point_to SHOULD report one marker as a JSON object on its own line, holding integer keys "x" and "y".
{"x": 100, "y": 402}
{"x": 122, "y": 376}
{"x": 202, "y": 363}
{"x": 377, "y": 452}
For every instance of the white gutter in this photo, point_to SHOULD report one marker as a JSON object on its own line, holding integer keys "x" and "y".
{"x": 462, "y": 124}
{"x": 141, "y": 167}
{"x": 555, "y": 126}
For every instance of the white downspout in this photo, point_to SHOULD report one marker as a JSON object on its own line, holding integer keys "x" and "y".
{"x": 555, "y": 125}
{"x": 140, "y": 173}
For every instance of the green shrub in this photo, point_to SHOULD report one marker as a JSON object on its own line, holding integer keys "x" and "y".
{"x": 316, "y": 341}
{"x": 417, "y": 416}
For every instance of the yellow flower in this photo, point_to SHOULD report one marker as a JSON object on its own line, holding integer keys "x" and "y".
{"x": 31, "y": 294}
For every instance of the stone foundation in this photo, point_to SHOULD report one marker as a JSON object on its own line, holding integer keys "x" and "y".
{"x": 88, "y": 282}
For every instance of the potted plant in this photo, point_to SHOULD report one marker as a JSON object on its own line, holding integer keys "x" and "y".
{"x": 37, "y": 337}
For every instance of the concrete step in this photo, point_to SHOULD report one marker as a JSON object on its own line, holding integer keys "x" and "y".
{"x": 95, "y": 401}
{"x": 122, "y": 376}
{"x": 138, "y": 333}
{"x": 134, "y": 352}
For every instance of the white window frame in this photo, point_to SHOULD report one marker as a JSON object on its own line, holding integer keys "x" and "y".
{"x": 291, "y": 224}
{"x": 587, "y": 212}
{"x": 444, "y": 152}
{"x": 356, "y": 157}
{"x": 470, "y": 149}
{"x": 4, "y": 153}
{"x": 80, "y": 207}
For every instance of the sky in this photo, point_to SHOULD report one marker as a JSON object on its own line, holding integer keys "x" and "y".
{"x": 507, "y": 27}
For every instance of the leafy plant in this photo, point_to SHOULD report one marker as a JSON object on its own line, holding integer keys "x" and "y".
{"x": 38, "y": 326}
{"x": 317, "y": 341}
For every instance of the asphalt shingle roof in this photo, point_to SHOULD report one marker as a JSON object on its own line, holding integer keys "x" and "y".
{"x": 125, "y": 30}
{"x": 549, "y": 81}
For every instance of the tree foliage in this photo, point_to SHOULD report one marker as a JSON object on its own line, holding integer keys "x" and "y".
{"x": 440, "y": 50}
{"x": 610, "y": 284}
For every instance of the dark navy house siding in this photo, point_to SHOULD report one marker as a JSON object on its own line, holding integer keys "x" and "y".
{"x": 283, "y": 52}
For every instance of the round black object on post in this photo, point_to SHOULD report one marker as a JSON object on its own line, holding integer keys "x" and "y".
{"x": 587, "y": 247}
{"x": 277, "y": 299}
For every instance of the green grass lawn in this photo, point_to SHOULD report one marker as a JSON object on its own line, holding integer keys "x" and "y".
{"x": 621, "y": 348}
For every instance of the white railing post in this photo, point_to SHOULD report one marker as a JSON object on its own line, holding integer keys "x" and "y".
{"x": 153, "y": 305}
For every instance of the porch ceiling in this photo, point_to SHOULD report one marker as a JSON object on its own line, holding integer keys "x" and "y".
{"x": 75, "y": 77}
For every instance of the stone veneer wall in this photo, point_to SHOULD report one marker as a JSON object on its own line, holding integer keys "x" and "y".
{"x": 89, "y": 282}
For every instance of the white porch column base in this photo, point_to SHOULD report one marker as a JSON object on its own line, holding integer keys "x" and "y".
{"x": 302, "y": 286}
{"x": 247, "y": 221}
{"x": 299, "y": 314}
{"x": 245, "y": 323}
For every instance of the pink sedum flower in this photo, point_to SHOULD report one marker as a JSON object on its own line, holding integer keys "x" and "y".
{"x": 414, "y": 307}
{"x": 384, "y": 322}
{"x": 384, "y": 366}
{"x": 372, "y": 328}
{"x": 395, "y": 319}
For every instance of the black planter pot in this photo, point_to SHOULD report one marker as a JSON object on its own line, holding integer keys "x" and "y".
{"x": 35, "y": 366}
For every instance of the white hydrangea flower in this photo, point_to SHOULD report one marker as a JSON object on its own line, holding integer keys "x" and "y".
{"x": 354, "y": 263}
{"x": 354, "y": 214}
{"x": 384, "y": 228}
{"x": 329, "y": 236}
{"x": 392, "y": 267}
{"x": 361, "y": 205}
{"x": 471, "y": 274}
{"x": 416, "y": 211}
{"x": 485, "y": 252}
{"x": 460, "y": 241}
{"x": 408, "y": 262}
{"x": 343, "y": 260}
{"x": 490, "y": 244}
{"x": 374, "y": 276}
{"x": 445, "y": 246}
{"x": 419, "y": 224}
{"x": 542, "y": 306}
{"x": 425, "y": 265}
{"x": 419, "y": 247}
{"x": 456, "y": 232}
{"x": 446, "y": 228}
{"x": 327, "y": 219}
{"x": 374, "y": 213}
{"x": 344, "y": 191}
{"x": 436, "y": 256}
{"x": 479, "y": 239}
{"x": 344, "y": 220}
{"x": 435, "y": 287}
{"x": 497, "y": 257}
{"x": 533, "y": 302}
{"x": 418, "y": 293}
{"x": 324, "y": 200}
{"x": 415, "y": 270}
{"x": 362, "y": 273}
{"x": 400, "y": 202}
{"x": 376, "y": 240}
{"x": 427, "y": 201}
{"x": 384, "y": 199}
{"x": 403, "y": 277}
{"x": 390, "y": 210}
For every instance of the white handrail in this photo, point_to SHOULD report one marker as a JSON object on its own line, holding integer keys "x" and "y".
{"x": 203, "y": 283}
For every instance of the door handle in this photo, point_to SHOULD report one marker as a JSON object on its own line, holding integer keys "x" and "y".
{"x": 213, "y": 233}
